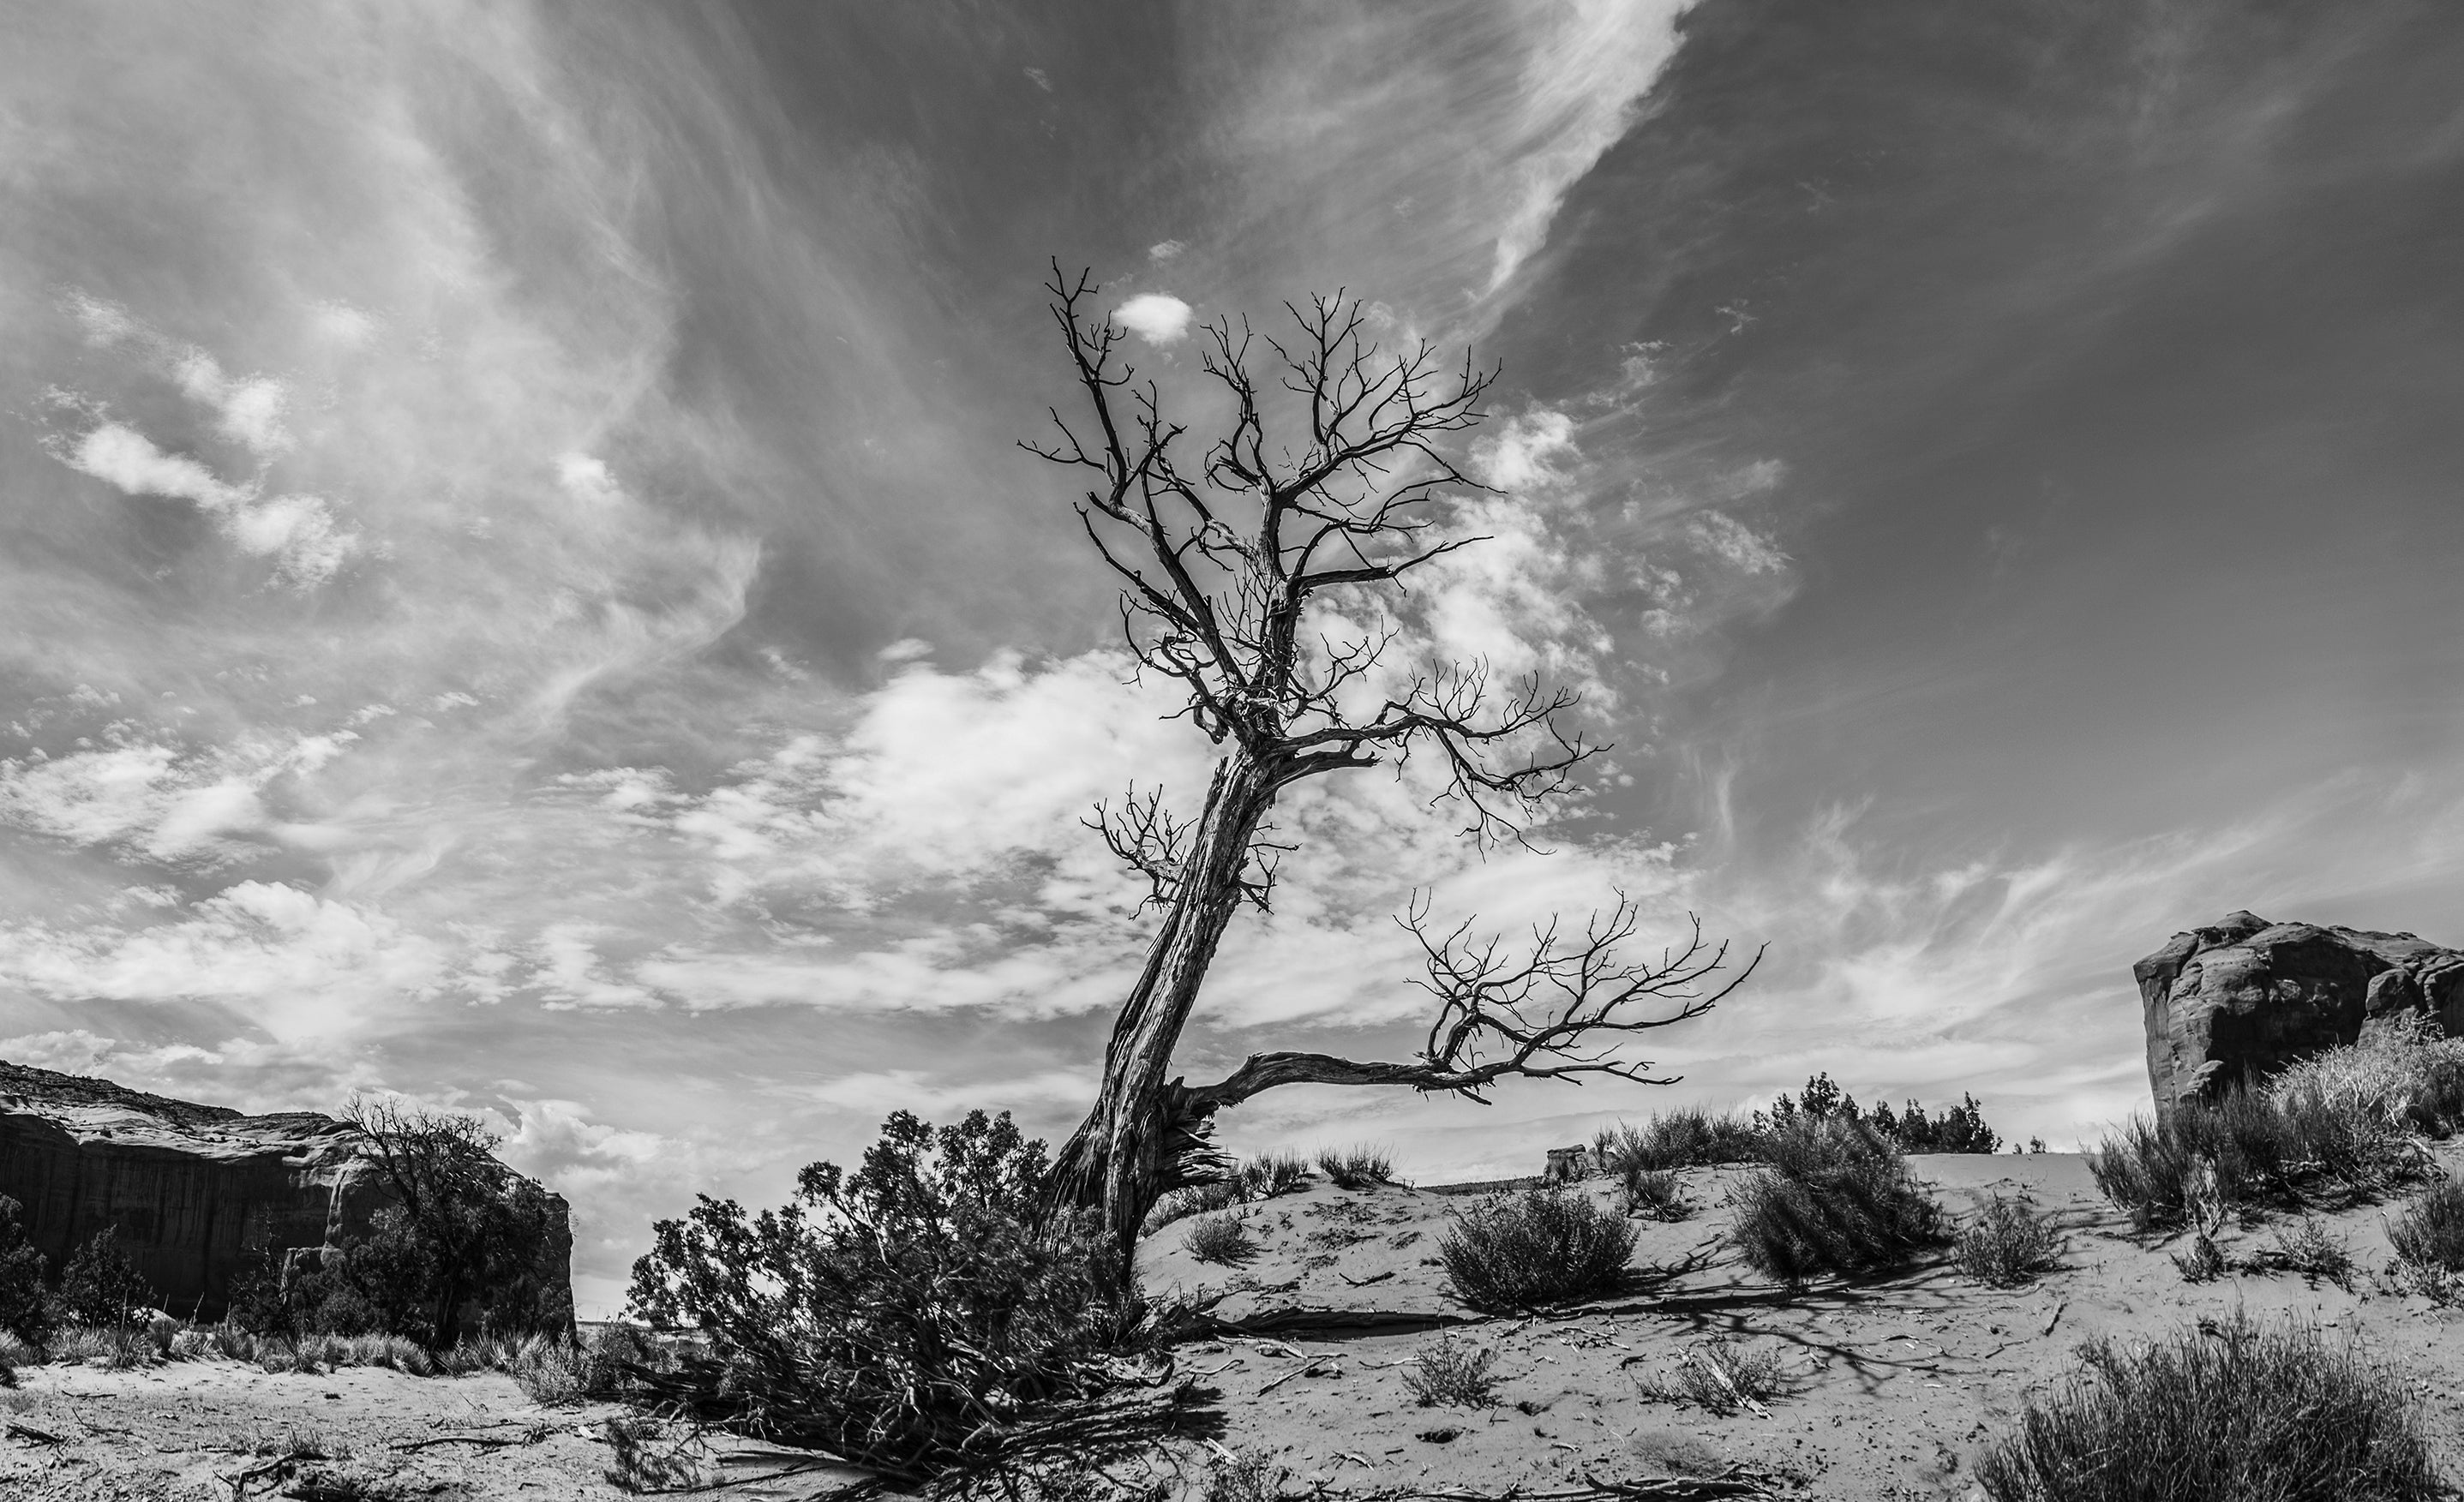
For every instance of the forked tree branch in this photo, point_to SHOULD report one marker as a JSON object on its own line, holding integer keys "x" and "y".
{"x": 1559, "y": 1008}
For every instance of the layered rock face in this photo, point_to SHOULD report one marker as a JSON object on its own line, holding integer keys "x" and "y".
{"x": 196, "y": 1191}
{"x": 2234, "y": 1001}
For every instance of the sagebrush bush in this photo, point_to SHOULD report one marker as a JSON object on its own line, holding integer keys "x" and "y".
{"x": 1836, "y": 1198}
{"x": 1356, "y": 1167}
{"x": 1540, "y": 1247}
{"x": 100, "y": 1285}
{"x": 2312, "y": 1250}
{"x": 1221, "y": 1238}
{"x": 1452, "y": 1374}
{"x": 2226, "y": 1414}
{"x": 2007, "y": 1243}
{"x": 898, "y": 1314}
{"x": 2404, "y": 1070}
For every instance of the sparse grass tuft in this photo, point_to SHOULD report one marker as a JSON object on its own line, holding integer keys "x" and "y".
{"x": 2429, "y": 1240}
{"x": 1453, "y": 1373}
{"x": 2218, "y": 1415}
{"x": 1836, "y": 1199}
{"x": 1655, "y": 1192}
{"x": 1719, "y": 1375}
{"x": 1356, "y": 1167}
{"x": 2007, "y": 1243}
{"x": 2313, "y": 1251}
{"x": 1222, "y": 1238}
{"x": 1540, "y": 1247}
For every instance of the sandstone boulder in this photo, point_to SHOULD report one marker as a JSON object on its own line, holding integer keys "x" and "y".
{"x": 196, "y": 1191}
{"x": 2232, "y": 1002}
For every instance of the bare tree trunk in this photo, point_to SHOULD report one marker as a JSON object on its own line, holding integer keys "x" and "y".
{"x": 1141, "y": 1138}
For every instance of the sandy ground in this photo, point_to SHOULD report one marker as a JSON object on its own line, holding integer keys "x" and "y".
{"x": 1891, "y": 1386}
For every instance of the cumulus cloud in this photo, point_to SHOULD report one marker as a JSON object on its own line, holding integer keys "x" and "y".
{"x": 1158, "y": 318}
{"x": 298, "y": 532}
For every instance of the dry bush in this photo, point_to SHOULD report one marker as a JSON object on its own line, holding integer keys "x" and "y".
{"x": 1449, "y": 1373}
{"x": 2221, "y": 1414}
{"x": 1264, "y": 1177}
{"x": 1836, "y": 1198}
{"x": 2203, "y": 1263}
{"x": 1244, "y": 1475}
{"x": 2313, "y": 1251}
{"x": 1540, "y": 1247}
{"x": 1221, "y": 1238}
{"x": 2404, "y": 1070}
{"x": 2429, "y": 1240}
{"x": 2007, "y": 1243}
{"x": 1655, "y": 1192}
{"x": 1356, "y": 1167}
{"x": 1688, "y": 1137}
{"x": 1719, "y": 1375}
{"x": 650, "y": 1454}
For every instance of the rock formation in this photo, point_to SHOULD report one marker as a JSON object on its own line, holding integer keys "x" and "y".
{"x": 196, "y": 1191}
{"x": 2236, "y": 1001}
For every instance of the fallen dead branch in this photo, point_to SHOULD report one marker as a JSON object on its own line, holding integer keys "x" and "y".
{"x": 1737, "y": 1480}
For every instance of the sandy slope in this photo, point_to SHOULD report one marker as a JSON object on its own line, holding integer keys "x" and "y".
{"x": 1893, "y": 1383}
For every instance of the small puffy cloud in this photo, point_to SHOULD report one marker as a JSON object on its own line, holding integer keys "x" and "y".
{"x": 298, "y": 531}
{"x": 1163, "y": 251}
{"x": 587, "y": 479}
{"x": 1158, "y": 318}
{"x": 1527, "y": 452}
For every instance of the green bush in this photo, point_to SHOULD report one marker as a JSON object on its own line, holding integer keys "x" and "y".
{"x": 101, "y": 1287}
{"x": 25, "y": 1302}
{"x": 1836, "y": 1198}
{"x": 2250, "y": 1147}
{"x": 896, "y": 1315}
{"x": 2222, "y": 1415}
{"x": 1540, "y": 1247}
{"x": 1655, "y": 1192}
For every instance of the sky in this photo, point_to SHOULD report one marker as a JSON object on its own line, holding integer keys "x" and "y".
{"x": 518, "y": 587}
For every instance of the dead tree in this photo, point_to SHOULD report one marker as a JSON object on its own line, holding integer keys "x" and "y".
{"x": 1328, "y": 476}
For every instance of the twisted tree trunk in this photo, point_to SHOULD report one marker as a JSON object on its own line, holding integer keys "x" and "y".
{"x": 1145, "y": 1134}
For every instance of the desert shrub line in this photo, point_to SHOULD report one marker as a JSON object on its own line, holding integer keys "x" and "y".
{"x": 1356, "y": 1167}
{"x": 1540, "y": 1247}
{"x": 2223, "y": 1413}
{"x": 1835, "y": 1198}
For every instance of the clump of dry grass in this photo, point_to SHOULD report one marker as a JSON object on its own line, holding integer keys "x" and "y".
{"x": 1356, "y": 1167}
{"x": 1221, "y": 1238}
{"x": 1269, "y": 1174}
{"x": 1688, "y": 1137}
{"x": 2007, "y": 1243}
{"x": 2429, "y": 1241}
{"x": 1656, "y": 1193}
{"x": 1719, "y": 1374}
{"x": 1453, "y": 1373}
{"x": 2312, "y": 1250}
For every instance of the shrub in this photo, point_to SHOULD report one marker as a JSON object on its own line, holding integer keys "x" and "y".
{"x": 1223, "y": 1238}
{"x": 1719, "y": 1375}
{"x": 1959, "y": 1129}
{"x": 1454, "y": 1374}
{"x": 650, "y": 1454}
{"x": 1263, "y": 1178}
{"x": 2203, "y": 1263}
{"x": 2314, "y": 1251}
{"x": 1244, "y": 1475}
{"x": 2007, "y": 1243}
{"x": 893, "y": 1314}
{"x": 2234, "y": 1413}
{"x": 1540, "y": 1247}
{"x": 1836, "y": 1198}
{"x": 2429, "y": 1238}
{"x": 2242, "y": 1146}
{"x": 2404, "y": 1070}
{"x": 101, "y": 1286}
{"x": 1655, "y": 1192}
{"x": 25, "y": 1304}
{"x": 1356, "y": 1168}
{"x": 1689, "y": 1137}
